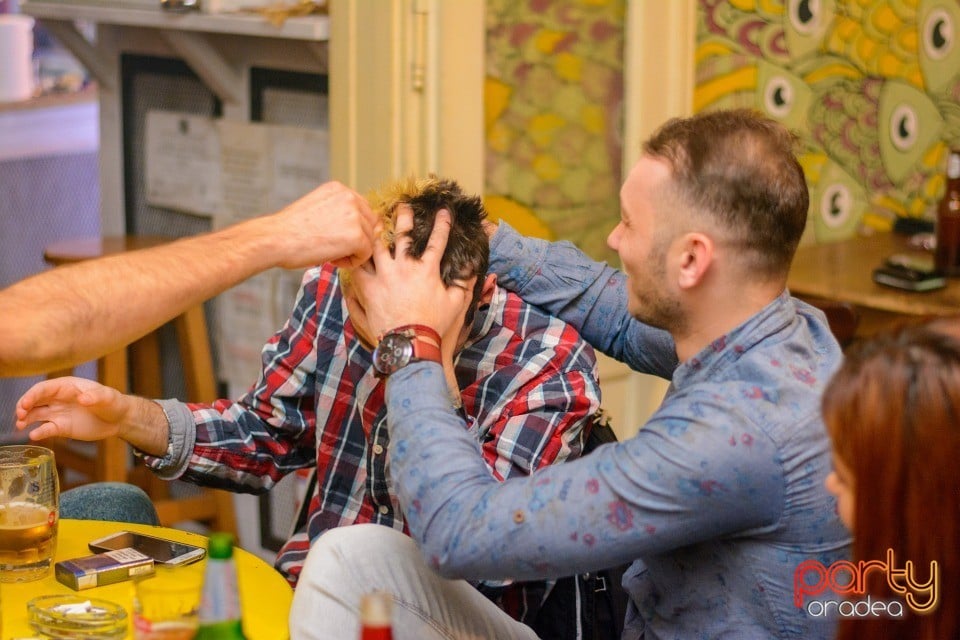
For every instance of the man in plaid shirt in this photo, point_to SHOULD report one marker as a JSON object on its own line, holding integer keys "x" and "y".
{"x": 527, "y": 385}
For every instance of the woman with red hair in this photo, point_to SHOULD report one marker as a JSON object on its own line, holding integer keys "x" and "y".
{"x": 893, "y": 413}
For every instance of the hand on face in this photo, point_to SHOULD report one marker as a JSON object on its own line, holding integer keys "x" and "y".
{"x": 397, "y": 290}
{"x": 72, "y": 408}
{"x": 332, "y": 223}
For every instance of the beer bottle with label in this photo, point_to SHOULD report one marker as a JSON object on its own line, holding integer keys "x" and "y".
{"x": 220, "y": 602}
{"x": 947, "y": 255}
{"x": 376, "y": 610}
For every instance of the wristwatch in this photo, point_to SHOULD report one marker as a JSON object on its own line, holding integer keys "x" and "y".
{"x": 401, "y": 346}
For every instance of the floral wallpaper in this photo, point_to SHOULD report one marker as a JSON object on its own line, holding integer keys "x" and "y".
{"x": 553, "y": 100}
{"x": 872, "y": 86}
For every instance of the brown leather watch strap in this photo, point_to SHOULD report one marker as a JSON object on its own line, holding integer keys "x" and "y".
{"x": 426, "y": 342}
{"x": 399, "y": 347}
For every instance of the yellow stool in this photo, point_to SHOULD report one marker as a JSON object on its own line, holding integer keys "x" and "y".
{"x": 136, "y": 369}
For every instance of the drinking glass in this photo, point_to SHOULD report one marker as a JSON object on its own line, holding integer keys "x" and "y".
{"x": 29, "y": 510}
{"x": 165, "y": 606}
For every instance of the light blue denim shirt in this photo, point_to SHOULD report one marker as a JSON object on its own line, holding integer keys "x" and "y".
{"x": 716, "y": 500}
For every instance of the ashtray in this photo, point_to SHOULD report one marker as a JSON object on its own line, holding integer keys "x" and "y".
{"x": 75, "y": 617}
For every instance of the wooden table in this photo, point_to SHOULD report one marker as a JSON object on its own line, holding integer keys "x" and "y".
{"x": 265, "y": 596}
{"x": 841, "y": 271}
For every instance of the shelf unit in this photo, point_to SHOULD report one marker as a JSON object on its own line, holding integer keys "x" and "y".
{"x": 314, "y": 27}
{"x": 187, "y": 34}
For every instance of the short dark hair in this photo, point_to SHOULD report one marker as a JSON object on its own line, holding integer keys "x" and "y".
{"x": 739, "y": 167}
{"x": 468, "y": 248}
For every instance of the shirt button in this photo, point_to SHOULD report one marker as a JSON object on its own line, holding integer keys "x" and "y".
{"x": 518, "y": 516}
{"x": 377, "y": 449}
{"x": 384, "y": 509}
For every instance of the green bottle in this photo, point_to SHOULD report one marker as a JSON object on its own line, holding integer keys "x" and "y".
{"x": 220, "y": 604}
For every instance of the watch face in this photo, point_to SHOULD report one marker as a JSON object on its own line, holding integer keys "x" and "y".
{"x": 393, "y": 352}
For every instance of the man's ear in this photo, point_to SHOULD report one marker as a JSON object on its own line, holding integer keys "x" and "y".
{"x": 489, "y": 285}
{"x": 696, "y": 256}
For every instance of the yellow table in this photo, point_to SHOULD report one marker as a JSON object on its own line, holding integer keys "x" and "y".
{"x": 264, "y": 594}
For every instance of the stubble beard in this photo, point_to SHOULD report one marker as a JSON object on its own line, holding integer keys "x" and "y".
{"x": 655, "y": 306}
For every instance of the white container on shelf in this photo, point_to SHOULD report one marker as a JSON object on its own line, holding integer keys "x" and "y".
{"x": 16, "y": 57}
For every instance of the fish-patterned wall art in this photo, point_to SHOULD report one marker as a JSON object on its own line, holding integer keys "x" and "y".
{"x": 872, "y": 87}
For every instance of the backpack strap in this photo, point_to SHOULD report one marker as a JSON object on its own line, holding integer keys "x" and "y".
{"x": 589, "y": 606}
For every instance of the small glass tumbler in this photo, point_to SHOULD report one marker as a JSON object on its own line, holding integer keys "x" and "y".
{"x": 165, "y": 606}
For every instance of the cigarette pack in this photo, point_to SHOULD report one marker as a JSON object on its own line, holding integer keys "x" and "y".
{"x": 103, "y": 568}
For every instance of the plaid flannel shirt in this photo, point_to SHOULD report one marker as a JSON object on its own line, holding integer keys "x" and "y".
{"x": 528, "y": 384}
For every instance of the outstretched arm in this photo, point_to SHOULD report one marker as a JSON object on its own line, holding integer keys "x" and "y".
{"x": 75, "y": 313}
{"x": 85, "y": 410}
{"x": 589, "y": 295}
{"x": 656, "y": 492}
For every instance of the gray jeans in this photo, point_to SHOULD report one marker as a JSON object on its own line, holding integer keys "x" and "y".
{"x": 347, "y": 562}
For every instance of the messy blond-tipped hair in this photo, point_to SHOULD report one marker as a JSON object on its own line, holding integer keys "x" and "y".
{"x": 468, "y": 250}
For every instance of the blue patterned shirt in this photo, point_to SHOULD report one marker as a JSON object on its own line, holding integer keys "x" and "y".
{"x": 716, "y": 500}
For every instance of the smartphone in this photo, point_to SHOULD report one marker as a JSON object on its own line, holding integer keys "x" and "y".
{"x": 162, "y": 551}
{"x": 910, "y": 273}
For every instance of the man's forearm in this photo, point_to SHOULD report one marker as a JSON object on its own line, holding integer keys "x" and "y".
{"x": 78, "y": 312}
{"x": 146, "y": 427}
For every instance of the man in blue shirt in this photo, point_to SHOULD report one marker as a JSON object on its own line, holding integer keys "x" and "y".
{"x": 716, "y": 500}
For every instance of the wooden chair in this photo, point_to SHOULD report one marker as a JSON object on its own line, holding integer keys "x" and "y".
{"x": 137, "y": 369}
